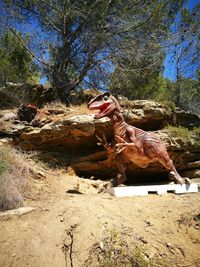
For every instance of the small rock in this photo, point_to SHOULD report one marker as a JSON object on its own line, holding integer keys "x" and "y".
{"x": 169, "y": 245}
{"x": 19, "y": 212}
{"x": 141, "y": 238}
{"x": 9, "y": 116}
{"x": 43, "y": 120}
{"x": 101, "y": 245}
{"x": 62, "y": 220}
{"x": 148, "y": 223}
{"x": 150, "y": 255}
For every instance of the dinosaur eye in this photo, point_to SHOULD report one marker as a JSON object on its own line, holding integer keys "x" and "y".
{"x": 105, "y": 97}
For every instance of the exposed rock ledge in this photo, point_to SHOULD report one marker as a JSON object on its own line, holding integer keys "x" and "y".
{"x": 73, "y": 141}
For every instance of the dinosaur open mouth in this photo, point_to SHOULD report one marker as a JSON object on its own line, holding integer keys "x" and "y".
{"x": 102, "y": 110}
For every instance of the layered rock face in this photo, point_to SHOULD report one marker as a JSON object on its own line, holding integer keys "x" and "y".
{"x": 72, "y": 142}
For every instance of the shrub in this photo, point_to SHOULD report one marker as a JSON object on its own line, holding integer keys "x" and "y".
{"x": 115, "y": 251}
{"x": 179, "y": 132}
{"x": 13, "y": 173}
{"x": 191, "y": 136}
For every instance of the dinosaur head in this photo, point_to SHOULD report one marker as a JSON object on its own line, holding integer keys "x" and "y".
{"x": 105, "y": 103}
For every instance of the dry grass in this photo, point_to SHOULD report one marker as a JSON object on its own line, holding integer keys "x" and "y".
{"x": 5, "y": 125}
{"x": 55, "y": 105}
{"x": 80, "y": 110}
{"x": 14, "y": 171}
{"x": 115, "y": 251}
{"x": 57, "y": 110}
{"x": 72, "y": 109}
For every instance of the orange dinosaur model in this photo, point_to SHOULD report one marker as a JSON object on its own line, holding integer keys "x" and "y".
{"x": 136, "y": 145}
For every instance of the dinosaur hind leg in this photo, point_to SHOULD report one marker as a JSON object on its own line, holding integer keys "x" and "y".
{"x": 173, "y": 174}
{"x": 156, "y": 151}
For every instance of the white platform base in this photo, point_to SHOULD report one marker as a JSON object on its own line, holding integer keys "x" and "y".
{"x": 128, "y": 191}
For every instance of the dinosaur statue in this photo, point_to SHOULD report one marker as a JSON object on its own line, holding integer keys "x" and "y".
{"x": 134, "y": 144}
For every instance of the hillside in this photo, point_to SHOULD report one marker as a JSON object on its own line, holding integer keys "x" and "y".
{"x": 73, "y": 222}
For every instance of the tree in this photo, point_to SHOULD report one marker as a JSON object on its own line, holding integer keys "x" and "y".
{"x": 190, "y": 93}
{"x": 137, "y": 72}
{"x": 16, "y": 63}
{"x": 85, "y": 36}
{"x": 185, "y": 52}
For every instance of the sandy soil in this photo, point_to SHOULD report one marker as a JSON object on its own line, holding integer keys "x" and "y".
{"x": 74, "y": 225}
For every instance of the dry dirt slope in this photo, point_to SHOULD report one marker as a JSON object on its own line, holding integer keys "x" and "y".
{"x": 90, "y": 229}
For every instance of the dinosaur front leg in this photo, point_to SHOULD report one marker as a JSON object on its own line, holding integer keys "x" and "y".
{"x": 121, "y": 176}
{"x": 121, "y": 144}
{"x": 105, "y": 144}
{"x": 121, "y": 165}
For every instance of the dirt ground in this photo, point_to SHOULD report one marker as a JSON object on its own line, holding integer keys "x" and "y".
{"x": 74, "y": 225}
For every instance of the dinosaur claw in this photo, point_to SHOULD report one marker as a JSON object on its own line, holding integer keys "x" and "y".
{"x": 120, "y": 150}
{"x": 187, "y": 180}
{"x": 178, "y": 179}
{"x": 99, "y": 138}
{"x": 120, "y": 139}
{"x": 104, "y": 138}
{"x": 121, "y": 145}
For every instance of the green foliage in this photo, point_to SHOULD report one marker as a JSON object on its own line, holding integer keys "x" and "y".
{"x": 16, "y": 62}
{"x": 138, "y": 71}
{"x": 179, "y": 132}
{"x": 192, "y": 136}
{"x": 185, "y": 55}
{"x": 196, "y": 130}
{"x": 122, "y": 47}
{"x": 138, "y": 75}
{"x": 150, "y": 86}
{"x": 84, "y": 44}
{"x": 189, "y": 93}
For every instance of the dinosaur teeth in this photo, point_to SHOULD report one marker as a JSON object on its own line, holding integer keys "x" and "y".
{"x": 102, "y": 110}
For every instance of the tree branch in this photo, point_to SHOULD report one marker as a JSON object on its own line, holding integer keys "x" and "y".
{"x": 53, "y": 25}
{"x": 90, "y": 63}
{"x": 51, "y": 6}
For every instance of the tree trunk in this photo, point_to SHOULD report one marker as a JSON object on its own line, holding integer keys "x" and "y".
{"x": 178, "y": 94}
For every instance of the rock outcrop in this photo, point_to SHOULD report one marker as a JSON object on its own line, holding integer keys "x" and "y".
{"x": 72, "y": 141}
{"x": 151, "y": 115}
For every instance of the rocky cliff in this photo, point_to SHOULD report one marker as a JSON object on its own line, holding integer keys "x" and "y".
{"x": 71, "y": 140}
